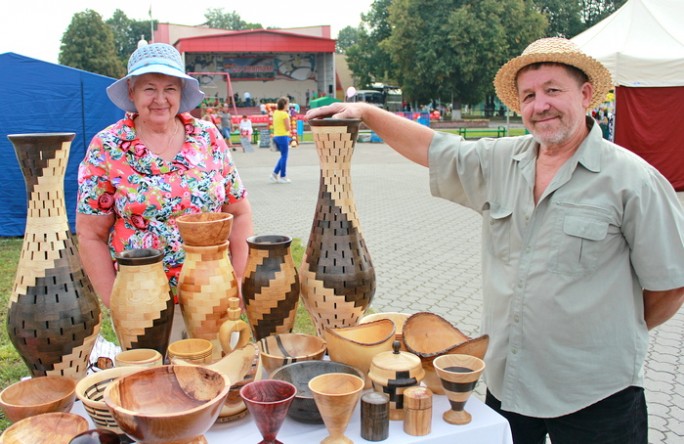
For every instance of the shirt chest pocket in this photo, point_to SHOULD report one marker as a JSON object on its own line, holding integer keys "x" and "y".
{"x": 499, "y": 227}
{"x": 578, "y": 245}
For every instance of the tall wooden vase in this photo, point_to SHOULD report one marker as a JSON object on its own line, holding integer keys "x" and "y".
{"x": 337, "y": 275}
{"x": 207, "y": 280}
{"x": 141, "y": 303}
{"x": 54, "y": 315}
{"x": 270, "y": 289}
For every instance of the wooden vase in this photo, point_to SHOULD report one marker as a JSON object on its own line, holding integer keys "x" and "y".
{"x": 54, "y": 315}
{"x": 337, "y": 275}
{"x": 142, "y": 303}
{"x": 205, "y": 286}
{"x": 270, "y": 289}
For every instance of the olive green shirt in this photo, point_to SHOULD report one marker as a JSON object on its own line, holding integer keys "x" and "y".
{"x": 563, "y": 279}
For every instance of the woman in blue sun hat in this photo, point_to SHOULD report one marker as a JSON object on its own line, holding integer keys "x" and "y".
{"x": 150, "y": 167}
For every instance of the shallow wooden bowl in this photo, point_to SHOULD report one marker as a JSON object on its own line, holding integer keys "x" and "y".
{"x": 281, "y": 349}
{"x": 43, "y": 394}
{"x": 429, "y": 335}
{"x": 46, "y": 428}
{"x": 357, "y": 345}
{"x": 299, "y": 374}
{"x": 399, "y": 320}
{"x": 90, "y": 391}
{"x": 171, "y": 403}
{"x": 205, "y": 229}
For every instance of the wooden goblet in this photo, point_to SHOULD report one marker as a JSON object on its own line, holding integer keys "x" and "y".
{"x": 336, "y": 395}
{"x": 459, "y": 375}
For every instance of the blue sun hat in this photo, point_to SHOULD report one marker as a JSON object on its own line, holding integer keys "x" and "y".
{"x": 159, "y": 58}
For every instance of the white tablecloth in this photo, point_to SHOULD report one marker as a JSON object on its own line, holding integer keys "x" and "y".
{"x": 487, "y": 427}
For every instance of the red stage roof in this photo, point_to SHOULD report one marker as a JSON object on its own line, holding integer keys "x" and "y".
{"x": 256, "y": 41}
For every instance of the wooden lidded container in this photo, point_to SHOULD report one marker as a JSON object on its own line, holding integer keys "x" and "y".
{"x": 393, "y": 372}
{"x": 417, "y": 411}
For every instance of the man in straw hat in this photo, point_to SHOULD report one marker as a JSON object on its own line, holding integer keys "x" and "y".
{"x": 583, "y": 248}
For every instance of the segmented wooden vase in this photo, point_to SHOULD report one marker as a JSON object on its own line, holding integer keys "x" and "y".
{"x": 337, "y": 276}
{"x": 270, "y": 289}
{"x": 205, "y": 286}
{"x": 54, "y": 315}
{"x": 142, "y": 303}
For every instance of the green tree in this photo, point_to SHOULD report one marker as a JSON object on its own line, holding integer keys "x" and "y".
{"x": 219, "y": 19}
{"x": 593, "y": 11}
{"x": 127, "y": 34}
{"x": 347, "y": 37}
{"x": 88, "y": 44}
{"x": 368, "y": 59}
{"x": 564, "y": 16}
{"x": 456, "y": 58}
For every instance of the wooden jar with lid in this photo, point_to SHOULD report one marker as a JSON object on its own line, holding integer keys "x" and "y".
{"x": 417, "y": 411}
{"x": 392, "y": 373}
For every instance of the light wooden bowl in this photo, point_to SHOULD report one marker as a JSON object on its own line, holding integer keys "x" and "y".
{"x": 281, "y": 349}
{"x": 196, "y": 350}
{"x": 90, "y": 390}
{"x": 299, "y": 374}
{"x": 399, "y": 320}
{"x": 37, "y": 395}
{"x": 171, "y": 403}
{"x": 357, "y": 345}
{"x": 429, "y": 335}
{"x": 47, "y": 428}
{"x": 205, "y": 229}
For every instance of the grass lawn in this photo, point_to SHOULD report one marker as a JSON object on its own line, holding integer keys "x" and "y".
{"x": 12, "y": 368}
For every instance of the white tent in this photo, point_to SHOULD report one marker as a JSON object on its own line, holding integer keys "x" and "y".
{"x": 642, "y": 44}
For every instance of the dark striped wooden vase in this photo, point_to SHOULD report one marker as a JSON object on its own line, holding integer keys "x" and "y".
{"x": 337, "y": 275}
{"x": 54, "y": 316}
{"x": 142, "y": 303}
{"x": 270, "y": 289}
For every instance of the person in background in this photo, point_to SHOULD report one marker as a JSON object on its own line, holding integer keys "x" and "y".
{"x": 246, "y": 134}
{"x": 281, "y": 138}
{"x": 583, "y": 248}
{"x": 157, "y": 163}
{"x": 226, "y": 122}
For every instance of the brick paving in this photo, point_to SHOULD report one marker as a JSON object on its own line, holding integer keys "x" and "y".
{"x": 426, "y": 253}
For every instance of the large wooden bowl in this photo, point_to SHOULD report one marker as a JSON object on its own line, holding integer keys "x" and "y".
{"x": 205, "y": 229}
{"x": 299, "y": 374}
{"x": 172, "y": 403}
{"x": 284, "y": 348}
{"x": 429, "y": 335}
{"x": 46, "y": 428}
{"x": 357, "y": 345}
{"x": 43, "y": 394}
{"x": 90, "y": 390}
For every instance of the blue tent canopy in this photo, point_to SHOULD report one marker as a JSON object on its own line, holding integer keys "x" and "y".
{"x": 42, "y": 97}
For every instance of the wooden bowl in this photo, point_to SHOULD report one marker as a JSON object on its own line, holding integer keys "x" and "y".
{"x": 284, "y": 348}
{"x": 90, "y": 390}
{"x": 43, "y": 394}
{"x": 205, "y": 229}
{"x": 171, "y": 403}
{"x": 299, "y": 374}
{"x": 399, "y": 320}
{"x": 196, "y": 350}
{"x": 46, "y": 428}
{"x": 357, "y": 345}
{"x": 428, "y": 335}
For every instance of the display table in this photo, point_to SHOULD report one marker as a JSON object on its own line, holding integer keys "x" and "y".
{"x": 487, "y": 427}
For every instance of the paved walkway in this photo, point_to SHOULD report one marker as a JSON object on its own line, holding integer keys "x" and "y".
{"x": 426, "y": 253}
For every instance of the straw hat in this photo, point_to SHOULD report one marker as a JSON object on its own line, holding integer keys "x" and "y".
{"x": 553, "y": 50}
{"x": 159, "y": 58}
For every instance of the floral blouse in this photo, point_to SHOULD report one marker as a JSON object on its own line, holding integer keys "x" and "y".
{"x": 146, "y": 193}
